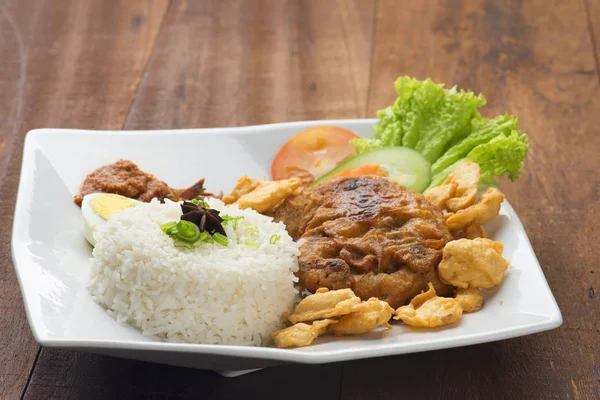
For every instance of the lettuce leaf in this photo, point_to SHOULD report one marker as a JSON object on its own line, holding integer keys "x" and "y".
{"x": 501, "y": 155}
{"x": 445, "y": 126}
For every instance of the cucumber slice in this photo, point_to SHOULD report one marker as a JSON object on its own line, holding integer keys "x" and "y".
{"x": 403, "y": 165}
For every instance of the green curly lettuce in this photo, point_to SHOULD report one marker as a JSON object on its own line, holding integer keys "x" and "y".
{"x": 445, "y": 126}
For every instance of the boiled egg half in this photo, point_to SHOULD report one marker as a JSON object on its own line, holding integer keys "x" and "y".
{"x": 97, "y": 208}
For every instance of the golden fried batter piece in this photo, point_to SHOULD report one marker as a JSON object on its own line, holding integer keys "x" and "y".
{"x": 324, "y": 304}
{"x": 456, "y": 197}
{"x": 341, "y": 308}
{"x": 301, "y": 334}
{"x": 369, "y": 234}
{"x": 471, "y": 231}
{"x": 365, "y": 317}
{"x": 261, "y": 195}
{"x": 440, "y": 194}
{"x": 476, "y": 263}
{"x": 470, "y": 299}
{"x": 466, "y": 177}
{"x": 436, "y": 312}
{"x": 420, "y": 299}
{"x": 474, "y": 231}
{"x": 484, "y": 210}
{"x": 429, "y": 311}
{"x": 243, "y": 186}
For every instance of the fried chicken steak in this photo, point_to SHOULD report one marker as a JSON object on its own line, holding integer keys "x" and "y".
{"x": 369, "y": 234}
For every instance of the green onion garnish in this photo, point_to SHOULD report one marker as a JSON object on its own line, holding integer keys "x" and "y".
{"x": 183, "y": 245}
{"x": 186, "y": 231}
{"x": 221, "y": 239}
{"x": 195, "y": 201}
{"x": 274, "y": 238}
{"x": 251, "y": 229}
{"x": 206, "y": 237}
{"x": 227, "y": 219}
{"x": 251, "y": 243}
{"x": 167, "y": 226}
{"x": 206, "y": 205}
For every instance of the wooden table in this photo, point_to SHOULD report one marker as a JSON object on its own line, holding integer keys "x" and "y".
{"x": 189, "y": 64}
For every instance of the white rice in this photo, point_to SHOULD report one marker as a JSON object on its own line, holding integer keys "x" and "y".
{"x": 214, "y": 294}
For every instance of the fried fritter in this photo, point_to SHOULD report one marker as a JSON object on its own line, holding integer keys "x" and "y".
{"x": 456, "y": 197}
{"x": 474, "y": 231}
{"x": 429, "y": 311}
{"x": 466, "y": 177}
{"x": 470, "y": 299}
{"x": 365, "y": 317}
{"x": 324, "y": 304}
{"x": 261, "y": 195}
{"x": 243, "y": 186}
{"x": 301, "y": 334}
{"x": 459, "y": 190}
{"x": 424, "y": 296}
{"x": 440, "y": 194}
{"x": 476, "y": 263}
{"x": 471, "y": 231}
{"x": 486, "y": 208}
{"x": 369, "y": 234}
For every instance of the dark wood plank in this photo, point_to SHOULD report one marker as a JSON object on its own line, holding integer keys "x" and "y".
{"x": 220, "y": 64}
{"x": 249, "y": 62}
{"x": 533, "y": 59}
{"x": 592, "y": 8}
{"x": 64, "y": 64}
{"x": 68, "y": 375}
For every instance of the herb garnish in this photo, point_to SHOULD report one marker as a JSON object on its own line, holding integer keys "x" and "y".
{"x": 227, "y": 219}
{"x": 274, "y": 239}
{"x": 199, "y": 224}
{"x": 206, "y": 219}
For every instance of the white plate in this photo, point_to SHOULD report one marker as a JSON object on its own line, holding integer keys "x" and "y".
{"x": 51, "y": 255}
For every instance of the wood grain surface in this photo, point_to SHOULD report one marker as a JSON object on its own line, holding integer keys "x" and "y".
{"x": 183, "y": 64}
{"x": 72, "y": 64}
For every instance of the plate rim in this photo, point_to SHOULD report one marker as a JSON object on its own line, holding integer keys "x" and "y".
{"x": 244, "y": 129}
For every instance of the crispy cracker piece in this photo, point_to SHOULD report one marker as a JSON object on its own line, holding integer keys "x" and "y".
{"x": 471, "y": 231}
{"x": 324, "y": 304}
{"x": 301, "y": 334}
{"x": 440, "y": 194}
{"x": 476, "y": 263}
{"x": 470, "y": 299}
{"x": 484, "y": 210}
{"x": 429, "y": 311}
{"x": 365, "y": 317}
{"x": 243, "y": 186}
{"x": 466, "y": 177}
{"x": 261, "y": 196}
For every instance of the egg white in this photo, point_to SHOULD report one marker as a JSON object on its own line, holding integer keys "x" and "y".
{"x": 91, "y": 220}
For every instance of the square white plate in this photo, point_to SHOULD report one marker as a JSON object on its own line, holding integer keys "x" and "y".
{"x": 51, "y": 256}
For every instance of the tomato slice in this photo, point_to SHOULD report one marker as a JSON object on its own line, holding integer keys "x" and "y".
{"x": 367, "y": 169}
{"x": 312, "y": 152}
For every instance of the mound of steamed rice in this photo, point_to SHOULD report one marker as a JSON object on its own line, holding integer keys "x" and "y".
{"x": 213, "y": 294}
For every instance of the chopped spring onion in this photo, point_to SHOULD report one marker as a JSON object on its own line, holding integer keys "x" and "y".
{"x": 206, "y": 205}
{"x": 186, "y": 232}
{"x": 206, "y": 237}
{"x": 183, "y": 245}
{"x": 274, "y": 239}
{"x": 167, "y": 226}
{"x": 221, "y": 239}
{"x": 251, "y": 243}
{"x": 227, "y": 219}
{"x": 187, "y": 235}
{"x": 251, "y": 229}
{"x": 195, "y": 201}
